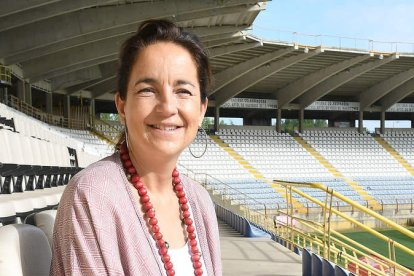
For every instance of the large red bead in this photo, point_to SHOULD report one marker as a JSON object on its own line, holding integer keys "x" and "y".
{"x": 144, "y": 199}
{"x": 176, "y": 180}
{"x": 147, "y": 206}
{"x": 150, "y": 213}
{"x": 180, "y": 194}
{"x": 163, "y": 250}
{"x": 155, "y": 229}
{"x": 170, "y": 272}
{"x": 198, "y": 272}
{"x": 178, "y": 187}
{"x": 194, "y": 249}
{"x": 135, "y": 178}
{"x": 142, "y": 191}
{"x": 182, "y": 200}
{"x": 165, "y": 258}
{"x": 191, "y": 236}
{"x": 125, "y": 156}
{"x": 184, "y": 207}
{"x": 132, "y": 170}
{"x": 195, "y": 258}
{"x": 197, "y": 264}
{"x": 153, "y": 221}
{"x": 168, "y": 265}
{"x": 188, "y": 221}
{"x": 127, "y": 164}
{"x": 138, "y": 185}
{"x": 186, "y": 214}
{"x": 160, "y": 243}
{"x": 190, "y": 229}
{"x": 193, "y": 242}
{"x": 175, "y": 173}
{"x": 157, "y": 236}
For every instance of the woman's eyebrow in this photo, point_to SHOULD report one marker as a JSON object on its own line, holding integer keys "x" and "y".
{"x": 184, "y": 82}
{"x": 145, "y": 80}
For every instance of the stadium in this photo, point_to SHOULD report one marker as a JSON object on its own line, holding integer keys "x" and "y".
{"x": 300, "y": 186}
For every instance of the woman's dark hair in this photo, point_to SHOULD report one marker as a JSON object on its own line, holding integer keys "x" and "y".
{"x": 151, "y": 32}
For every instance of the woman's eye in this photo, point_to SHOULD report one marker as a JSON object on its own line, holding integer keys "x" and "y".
{"x": 145, "y": 91}
{"x": 184, "y": 92}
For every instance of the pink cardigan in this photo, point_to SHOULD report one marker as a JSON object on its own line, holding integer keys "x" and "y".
{"x": 100, "y": 230}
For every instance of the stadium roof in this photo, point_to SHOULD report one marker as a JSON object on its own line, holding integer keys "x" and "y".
{"x": 69, "y": 47}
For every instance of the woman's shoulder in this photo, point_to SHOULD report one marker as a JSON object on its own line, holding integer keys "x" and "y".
{"x": 99, "y": 178}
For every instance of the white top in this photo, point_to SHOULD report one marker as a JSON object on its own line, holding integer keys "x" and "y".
{"x": 181, "y": 257}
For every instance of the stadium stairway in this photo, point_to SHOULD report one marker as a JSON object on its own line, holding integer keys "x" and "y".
{"x": 395, "y": 154}
{"x": 373, "y": 204}
{"x": 297, "y": 205}
{"x": 255, "y": 256}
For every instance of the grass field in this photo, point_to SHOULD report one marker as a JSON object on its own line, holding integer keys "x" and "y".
{"x": 381, "y": 247}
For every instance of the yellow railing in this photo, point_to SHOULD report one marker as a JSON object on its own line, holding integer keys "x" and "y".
{"x": 321, "y": 238}
{"x": 56, "y": 120}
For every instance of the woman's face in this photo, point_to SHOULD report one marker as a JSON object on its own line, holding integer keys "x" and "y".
{"x": 162, "y": 109}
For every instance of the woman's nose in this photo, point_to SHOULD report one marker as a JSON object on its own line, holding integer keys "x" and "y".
{"x": 167, "y": 103}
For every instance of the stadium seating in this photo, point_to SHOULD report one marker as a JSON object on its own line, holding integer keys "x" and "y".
{"x": 354, "y": 154}
{"x": 402, "y": 141}
{"x": 227, "y": 176}
{"x": 24, "y": 250}
{"x": 275, "y": 155}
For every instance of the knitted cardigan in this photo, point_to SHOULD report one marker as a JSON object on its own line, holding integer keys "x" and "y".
{"x": 100, "y": 227}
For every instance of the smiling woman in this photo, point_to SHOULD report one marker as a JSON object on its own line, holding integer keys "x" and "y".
{"x": 132, "y": 213}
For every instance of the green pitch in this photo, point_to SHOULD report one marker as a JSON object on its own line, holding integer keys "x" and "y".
{"x": 381, "y": 247}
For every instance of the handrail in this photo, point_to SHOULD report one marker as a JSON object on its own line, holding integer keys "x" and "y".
{"x": 48, "y": 118}
{"x": 332, "y": 238}
{"x": 5, "y": 75}
{"x": 228, "y": 187}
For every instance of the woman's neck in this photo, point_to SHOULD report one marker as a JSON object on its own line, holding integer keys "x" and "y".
{"x": 155, "y": 173}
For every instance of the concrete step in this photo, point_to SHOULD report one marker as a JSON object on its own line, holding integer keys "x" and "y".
{"x": 258, "y": 256}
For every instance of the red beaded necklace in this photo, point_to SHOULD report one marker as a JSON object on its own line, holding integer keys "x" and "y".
{"x": 149, "y": 211}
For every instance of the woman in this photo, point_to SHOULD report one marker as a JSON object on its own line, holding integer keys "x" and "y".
{"x": 132, "y": 213}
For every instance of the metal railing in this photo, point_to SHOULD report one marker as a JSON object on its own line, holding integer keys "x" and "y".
{"x": 331, "y": 244}
{"x": 5, "y": 75}
{"x": 339, "y": 42}
{"x": 48, "y": 118}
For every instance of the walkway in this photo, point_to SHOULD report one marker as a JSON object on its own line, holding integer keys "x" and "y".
{"x": 255, "y": 256}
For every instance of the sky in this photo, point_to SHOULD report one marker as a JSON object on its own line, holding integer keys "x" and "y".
{"x": 385, "y": 22}
{"x": 377, "y": 20}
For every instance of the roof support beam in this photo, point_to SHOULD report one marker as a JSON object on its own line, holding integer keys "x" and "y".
{"x": 334, "y": 82}
{"x": 74, "y": 78}
{"x": 219, "y": 51}
{"x": 297, "y": 88}
{"x": 225, "y": 77}
{"x": 39, "y": 13}
{"x": 376, "y": 92}
{"x": 73, "y": 67}
{"x": 9, "y": 7}
{"x": 239, "y": 85}
{"x": 82, "y": 76}
{"x": 43, "y": 65}
{"x": 106, "y": 86}
{"x": 88, "y": 21}
{"x": 397, "y": 94}
{"x": 216, "y": 43}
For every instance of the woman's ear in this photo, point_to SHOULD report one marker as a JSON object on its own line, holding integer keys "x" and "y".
{"x": 203, "y": 109}
{"x": 120, "y": 106}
